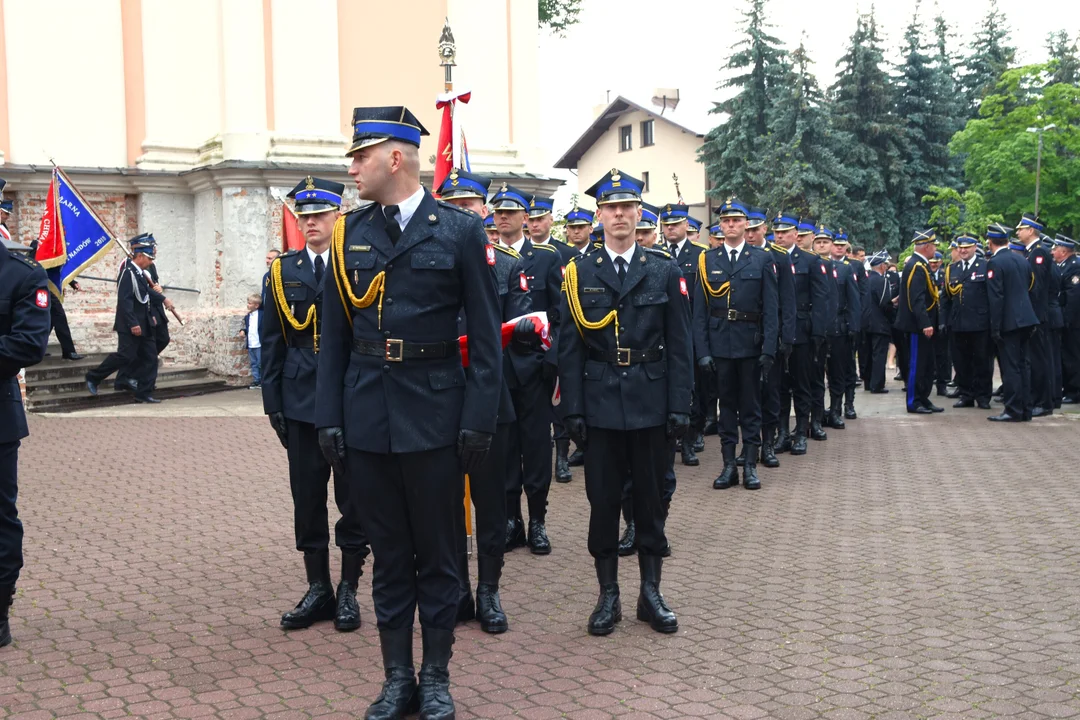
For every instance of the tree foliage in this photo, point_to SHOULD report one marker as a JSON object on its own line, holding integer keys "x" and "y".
{"x": 990, "y": 55}
{"x": 954, "y": 213}
{"x": 559, "y": 15}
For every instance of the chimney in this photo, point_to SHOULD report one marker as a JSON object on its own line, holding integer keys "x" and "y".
{"x": 665, "y": 98}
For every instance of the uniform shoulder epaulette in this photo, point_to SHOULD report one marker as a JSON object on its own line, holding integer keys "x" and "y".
{"x": 658, "y": 251}
{"x": 23, "y": 257}
{"x": 360, "y": 209}
{"x": 576, "y": 257}
{"x": 545, "y": 246}
{"x": 778, "y": 248}
{"x": 287, "y": 254}
{"x": 508, "y": 250}
{"x": 703, "y": 246}
{"x": 451, "y": 206}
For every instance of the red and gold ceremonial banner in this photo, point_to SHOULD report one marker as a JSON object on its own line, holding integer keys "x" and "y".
{"x": 291, "y": 237}
{"x": 451, "y": 139}
{"x": 51, "y": 251}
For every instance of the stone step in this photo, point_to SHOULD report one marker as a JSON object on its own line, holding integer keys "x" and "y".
{"x": 165, "y": 390}
{"x": 41, "y": 388}
{"x": 56, "y": 367}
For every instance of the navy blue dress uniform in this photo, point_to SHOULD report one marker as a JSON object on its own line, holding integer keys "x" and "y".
{"x": 290, "y": 330}
{"x": 771, "y": 385}
{"x": 918, "y": 310}
{"x": 966, "y": 305}
{"x": 686, "y": 253}
{"x": 859, "y": 272}
{"x": 877, "y": 322}
{"x": 943, "y": 373}
{"x": 159, "y": 325}
{"x": 843, "y": 333}
{"x": 539, "y": 207}
{"x": 136, "y": 355}
{"x": 821, "y": 358}
{"x": 532, "y": 384}
{"x": 1069, "y": 281}
{"x": 24, "y": 334}
{"x": 1012, "y": 320}
{"x": 811, "y": 284}
{"x": 1044, "y": 300}
{"x": 625, "y": 359}
{"x": 736, "y": 334}
{"x": 396, "y": 409}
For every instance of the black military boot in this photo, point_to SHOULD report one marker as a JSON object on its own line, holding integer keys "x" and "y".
{"x": 798, "y": 439}
{"x": 687, "y": 450}
{"x": 750, "y": 478}
{"x": 768, "y": 454}
{"x": 608, "y": 610}
{"x": 538, "y": 538}
{"x": 628, "y": 541}
{"x": 318, "y": 602}
{"x": 434, "y": 690}
{"x": 816, "y": 431}
{"x": 515, "y": 524}
{"x": 783, "y": 439}
{"x": 729, "y": 476}
{"x": 651, "y": 607}
{"x": 562, "y": 463}
{"x": 740, "y": 461}
{"x": 348, "y": 611}
{"x": 488, "y": 605}
{"x": 699, "y": 443}
{"x": 577, "y": 458}
{"x": 398, "y": 697}
{"x": 466, "y": 608}
{"x": 849, "y": 405}
{"x": 7, "y": 595}
{"x": 833, "y": 418}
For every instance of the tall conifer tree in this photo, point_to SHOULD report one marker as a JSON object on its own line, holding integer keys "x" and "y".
{"x": 991, "y": 54}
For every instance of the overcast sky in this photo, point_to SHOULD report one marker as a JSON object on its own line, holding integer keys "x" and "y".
{"x": 631, "y": 47}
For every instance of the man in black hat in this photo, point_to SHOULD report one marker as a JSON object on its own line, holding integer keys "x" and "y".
{"x": 966, "y": 305}
{"x": 1012, "y": 319}
{"x": 396, "y": 409}
{"x": 917, "y": 316}
{"x": 841, "y": 366}
{"x": 290, "y": 333}
{"x": 159, "y": 325}
{"x": 1069, "y": 281}
{"x": 24, "y": 334}
{"x": 533, "y": 381}
{"x": 135, "y": 352}
{"x": 541, "y": 218}
{"x": 1044, "y": 298}
{"x": 625, "y": 360}
{"x": 876, "y": 321}
{"x": 736, "y": 335}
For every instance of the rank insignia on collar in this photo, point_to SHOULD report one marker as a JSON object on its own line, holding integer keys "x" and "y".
{"x": 432, "y": 217}
{"x": 299, "y": 262}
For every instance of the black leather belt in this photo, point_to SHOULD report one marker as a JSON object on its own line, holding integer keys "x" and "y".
{"x": 736, "y": 316}
{"x": 626, "y": 356}
{"x": 398, "y": 350}
{"x": 304, "y": 342}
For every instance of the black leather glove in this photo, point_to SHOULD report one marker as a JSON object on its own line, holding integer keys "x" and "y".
{"x": 277, "y": 421}
{"x": 765, "y": 362}
{"x": 706, "y": 363}
{"x": 332, "y": 444}
{"x": 524, "y": 340}
{"x": 677, "y": 424}
{"x": 472, "y": 448}
{"x": 575, "y": 428}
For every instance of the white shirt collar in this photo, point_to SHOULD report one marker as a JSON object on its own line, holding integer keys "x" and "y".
{"x": 407, "y": 207}
{"x": 678, "y": 247}
{"x": 628, "y": 255}
{"x": 325, "y": 255}
{"x": 739, "y": 249}
{"x": 1003, "y": 247}
{"x": 516, "y": 245}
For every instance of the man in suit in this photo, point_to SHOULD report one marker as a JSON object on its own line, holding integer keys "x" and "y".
{"x": 625, "y": 355}
{"x": 24, "y": 334}
{"x": 876, "y": 324}
{"x": 736, "y": 335}
{"x": 967, "y": 307}
{"x": 1012, "y": 318}
{"x": 1044, "y": 300}
{"x": 396, "y": 409}
{"x": 917, "y": 317}
{"x": 290, "y": 332}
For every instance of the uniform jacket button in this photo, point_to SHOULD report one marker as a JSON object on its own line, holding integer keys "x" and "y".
{"x": 386, "y": 368}
{"x": 389, "y": 301}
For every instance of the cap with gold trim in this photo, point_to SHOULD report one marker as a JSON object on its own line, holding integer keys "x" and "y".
{"x": 373, "y": 125}
{"x": 314, "y": 195}
{"x": 924, "y": 237}
{"x": 508, "y": 197}
{"x": 616, "y": 187}
{"x": 732, "y": 207}
{"x": 649, "y": 217}
{"x": 541, "y": 206}
{"x": 578, "y": 216}
{"x": 464, "y": 184}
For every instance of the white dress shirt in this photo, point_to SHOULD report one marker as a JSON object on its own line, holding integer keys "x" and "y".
{"x": 738, "y": 250}
{"x": 407, "y": 207}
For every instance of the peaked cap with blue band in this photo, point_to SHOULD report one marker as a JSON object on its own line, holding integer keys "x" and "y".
{"x": 1031, "y": 220}
{"x": 716, "y": 231}
{"x": 807, "y": 226}
{"x": 577, "y": 216}
{"x": 649, "y": 217}
{"x": 784, "y": 222}
{"x": 489, "y": 222}
{"x": 732, "y": 208}
{"x": 823, "y": 232}
{"x": 541, "y": 206}
{"x": 965, "y": 241}
{"x": 756, "y": 217}
{"x": 1065, "y": 242}
{"x": 693, "y": 224}
{"x": 143, "y": 243}
{"x": 509, "y": 197}
{"x": 462, "y": 184}
{"x": 923, "y": 237}
{"x": 673, "y": 213}
{"x": 7, "y": 205}
{"x": 315, "y": 195}
{"x": 616, "y": 187}
{"x": 373, "y": 125}
{"x": 598, "y": 231}
{"x": 1017, "y": 246}
{"x": 997, "y": 231}
{"x": 840, "y": 238}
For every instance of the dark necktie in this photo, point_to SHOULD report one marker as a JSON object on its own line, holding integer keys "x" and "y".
{"x": 734, "y": 257}
{"x": 392, "y": 227}
{"x": 620, "y": 267}
{"x": 320, "y": 266}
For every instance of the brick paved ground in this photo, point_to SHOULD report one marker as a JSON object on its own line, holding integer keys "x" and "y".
{"x": 905, "y": 568}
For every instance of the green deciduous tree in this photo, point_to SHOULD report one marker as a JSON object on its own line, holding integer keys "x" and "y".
{"x": 1000, "y": 155}
{"x": 953, "y": 213}
{"x": 558, "y": 15}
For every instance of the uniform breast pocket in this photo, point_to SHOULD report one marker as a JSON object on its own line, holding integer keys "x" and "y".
{"x": 432, "y": 261}
{"x": 296, "y": 294}
{"x": 595, "y": 307}
{"x": 360, "y": 268}
{"x": 649, "y": 298}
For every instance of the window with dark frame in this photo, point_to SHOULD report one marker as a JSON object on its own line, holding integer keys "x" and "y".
{"x": 646, "y": 133}
{"x": 645, "y": 182}
{"x": 626, "y": 138}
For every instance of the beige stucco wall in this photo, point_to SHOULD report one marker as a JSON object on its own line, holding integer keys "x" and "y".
{"x": 673, "y": 151}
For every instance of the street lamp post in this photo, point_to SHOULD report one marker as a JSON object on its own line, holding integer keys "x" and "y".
{"x": 1038, "y": 161}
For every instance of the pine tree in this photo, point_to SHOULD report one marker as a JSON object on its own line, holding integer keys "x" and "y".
{"x": 801, "y": 172}
{"x": 1064, "y": 52}
{"x": 991, "y": 54}
{"x": 731, "y": 151}
{"x": 948, "y": 106}
{"x": 872, "y": 139}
